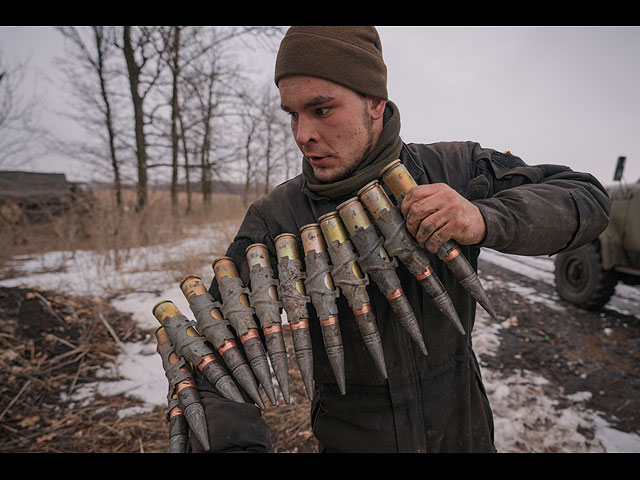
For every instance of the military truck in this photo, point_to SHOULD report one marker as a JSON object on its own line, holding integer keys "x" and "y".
{"x": 34, "y": 197}
{"x": 587, "y": 276}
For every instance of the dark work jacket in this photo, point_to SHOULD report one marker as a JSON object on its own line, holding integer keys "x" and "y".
{"x": 434, "y": 403}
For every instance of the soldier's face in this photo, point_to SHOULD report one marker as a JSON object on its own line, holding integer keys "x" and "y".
{"x": 333, "y": 126}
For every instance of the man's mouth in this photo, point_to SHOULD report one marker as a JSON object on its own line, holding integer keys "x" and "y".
{"x": 317, "y": 160}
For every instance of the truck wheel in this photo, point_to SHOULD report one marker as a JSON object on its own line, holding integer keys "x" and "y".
{"x": 581, "y": 280}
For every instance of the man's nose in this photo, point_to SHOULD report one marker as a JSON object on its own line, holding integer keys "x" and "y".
{"x": 305, "y": 131}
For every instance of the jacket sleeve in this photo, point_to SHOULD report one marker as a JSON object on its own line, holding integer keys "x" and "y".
{"x": 535, "y": 210}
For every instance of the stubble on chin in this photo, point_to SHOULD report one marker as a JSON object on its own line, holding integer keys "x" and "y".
{"x": 341, "y": 173}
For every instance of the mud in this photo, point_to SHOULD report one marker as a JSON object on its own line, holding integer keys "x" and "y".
{"x": 574, "y": 349}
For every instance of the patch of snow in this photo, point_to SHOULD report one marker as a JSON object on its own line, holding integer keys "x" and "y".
{"x": 527, "y": 418}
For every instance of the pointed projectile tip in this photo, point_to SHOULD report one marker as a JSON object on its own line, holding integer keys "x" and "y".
{"x": 225, "y": 386}
{"x": 366, "y": 321}
{"x": 243, "y": 374}
{"x": 257, "y": 357}
{"x": 374, "y": 345}
{"x": 305, "y": 363}
{"x": 336, "y": 361}
{"x": 304, "y": 354}
{"x": 445, "y": 305}
{"x": 474, "y": 287}
{"x": 407, "y": 318}
{"x": 197, "y": 421}
{"x": 281, "y": 369}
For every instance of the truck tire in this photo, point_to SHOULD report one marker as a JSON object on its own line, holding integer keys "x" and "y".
{"x": 581, "y": 280}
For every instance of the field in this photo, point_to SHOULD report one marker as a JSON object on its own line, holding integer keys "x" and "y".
{"x": 82, "y": 373}
{"x": 55, "y": 342}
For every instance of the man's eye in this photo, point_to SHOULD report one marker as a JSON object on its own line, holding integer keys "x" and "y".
{"x": 322, "y": 111}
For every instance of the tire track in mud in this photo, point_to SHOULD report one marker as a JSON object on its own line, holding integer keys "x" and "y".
{"x": 559, "y": 378}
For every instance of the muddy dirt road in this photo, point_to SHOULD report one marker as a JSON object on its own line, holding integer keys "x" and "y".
{"x": 586, "y": 365}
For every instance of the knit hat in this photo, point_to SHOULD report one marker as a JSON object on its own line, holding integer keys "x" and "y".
{"x": 349, "y": 56}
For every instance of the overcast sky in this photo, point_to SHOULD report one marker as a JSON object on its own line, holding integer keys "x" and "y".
{"x": 566, "y": 95}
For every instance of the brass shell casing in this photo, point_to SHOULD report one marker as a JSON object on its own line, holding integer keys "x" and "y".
{"x": 257, "y": 254}
{"x": 192, "y": 285}
{"x": 333, "y": 228}
{"x": 397, "y": 178}
{"x": 224, "y": 267}
{"x": 287, "y": 246}
{"x": 312, "y": 238}
{"x": 164, "y": 309}
{"x": 375, "y": 199}
{"x": 353, "y": 215}
{"x": 161, "y": 335}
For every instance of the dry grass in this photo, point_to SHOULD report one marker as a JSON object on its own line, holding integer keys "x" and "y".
{"x": 113, "y": 233}
{"x": 52, "y": 345}
{"x": 100, "y": 226}
{"x": 52, "y": 342}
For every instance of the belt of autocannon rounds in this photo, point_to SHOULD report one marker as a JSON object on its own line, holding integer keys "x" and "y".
{"x": 320, "y": 287}
{"x": 352, "y": 282}
{"x": 235, "y": 308}
{"x": 211, "y": 323}
{"x": 399, "y": 181}
{"x": 192, "y": 346}
{"x": 400, "y": 244}
{"x": 294, "y": 300}
{"x": 182, "y": 386}
{"x": 375, "y": 261}
{"x": 263, "y": 297}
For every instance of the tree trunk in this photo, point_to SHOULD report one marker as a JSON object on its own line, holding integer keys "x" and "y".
{"x": 206, "y": 147}
{"x": 247, "y": 181}
{"x": 174, "y": 117}
{"x": 108, "y": 118}
{"x": 186, "y": 164}
{"x": 134, "y": 72}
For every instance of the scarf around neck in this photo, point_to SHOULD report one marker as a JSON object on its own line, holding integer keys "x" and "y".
{"x": 386, "y": 150}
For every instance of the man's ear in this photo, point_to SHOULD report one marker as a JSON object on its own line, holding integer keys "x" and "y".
{"x": 377, "y": 106}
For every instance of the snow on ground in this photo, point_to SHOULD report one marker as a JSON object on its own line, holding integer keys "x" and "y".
{"x": 140, "y": 281}
{"x": 525, "y": 417}
{"x": 542, "y": 269}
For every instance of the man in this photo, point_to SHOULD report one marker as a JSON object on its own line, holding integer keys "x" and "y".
{"x": 332, "y": 83}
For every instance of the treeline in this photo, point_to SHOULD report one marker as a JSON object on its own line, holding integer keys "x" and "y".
{"x": 176, "y": 103}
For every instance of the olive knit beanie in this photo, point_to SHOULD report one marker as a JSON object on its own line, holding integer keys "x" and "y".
{"x": 349, "y": 56}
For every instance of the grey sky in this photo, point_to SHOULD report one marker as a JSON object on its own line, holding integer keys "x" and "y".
{"x": 566, "y": 95}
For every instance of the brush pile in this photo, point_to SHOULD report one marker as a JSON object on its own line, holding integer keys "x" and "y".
{"x": 52, "y": 346}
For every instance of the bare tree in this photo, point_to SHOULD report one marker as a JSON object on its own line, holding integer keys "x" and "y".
{"x": 211, "y": 80}
{"x": 249, "y": 128}
{"x": 291, "y": 156}
{"x": 85, "y": 68}
{"x": 180, "y": 47}
{"x": 276, "y": 162}
{"x": 270, "y": 105}
{"x": 19, "y": 129}
{"x": 185, "y": 91}
{"x": 173, "y": 48}
{"x": 140, "y": 55}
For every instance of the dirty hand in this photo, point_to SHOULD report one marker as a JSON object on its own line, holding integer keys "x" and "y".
{"x": 436, "y": 213}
